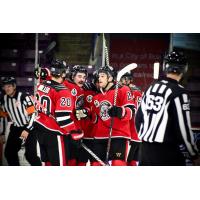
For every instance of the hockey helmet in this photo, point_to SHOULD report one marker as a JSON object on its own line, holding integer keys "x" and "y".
{"x": 175, "y": 62}
{"x": 8, "y": 80}
{"x": 78, "y": 69}
{"x": 107, "y": 70}
{"x": 128, "y": 76}
{"x": 58, "y": 68}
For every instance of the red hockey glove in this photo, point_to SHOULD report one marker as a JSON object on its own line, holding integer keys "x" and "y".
{"x": 77, "y": 136}
{"x": 81, "y": 113}
{"x": 116, "y": 111}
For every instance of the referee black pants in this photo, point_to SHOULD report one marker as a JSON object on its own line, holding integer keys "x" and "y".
{"x": 13, "y": 145}
{"x": 159, "y": 154}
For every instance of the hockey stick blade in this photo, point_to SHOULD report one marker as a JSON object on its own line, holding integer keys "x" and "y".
{"x": 126, "y": 69}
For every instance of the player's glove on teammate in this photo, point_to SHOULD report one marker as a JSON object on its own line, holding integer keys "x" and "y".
{"x": 77, "y": 136}
{"x": 117, "y": 111}
{"x": 81, "y": 113}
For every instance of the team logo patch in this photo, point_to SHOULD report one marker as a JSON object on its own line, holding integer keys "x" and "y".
{"x": 89, "y": 98}
{"x": 96, "y": 103}
{"x": 74, "y": 92}
{"x": 104, "y": 110}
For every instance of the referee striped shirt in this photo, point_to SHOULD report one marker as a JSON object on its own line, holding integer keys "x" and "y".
{"x": 164, "y": 115}
{"x": 20, "y": 109}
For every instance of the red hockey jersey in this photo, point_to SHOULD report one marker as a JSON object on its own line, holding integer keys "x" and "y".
{"x": 87, "y": 124}
{"x": 54, "y": 104}
{"x": 77, "y": 94}
{"x": 101, "y": 104}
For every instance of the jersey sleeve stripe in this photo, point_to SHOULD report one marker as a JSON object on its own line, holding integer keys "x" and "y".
{"x": 62, "y": 118}
{"x": 182, "y": 126}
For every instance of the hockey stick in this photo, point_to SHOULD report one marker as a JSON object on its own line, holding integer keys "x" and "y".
{"x": 106, "y": 51}
{"x": 156, "y": 70}
{"x": 83, "y": 145}
{"x": 36, "y": 60}
{"x": 126, "y": 69}
{"x": 93, "y": 155}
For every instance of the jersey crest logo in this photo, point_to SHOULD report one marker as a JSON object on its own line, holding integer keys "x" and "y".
{"x": 96, "y": 103}
{"x": 104, "y": 110}
{"x": 89, "y": 98}
{"x": 74, "y": 92}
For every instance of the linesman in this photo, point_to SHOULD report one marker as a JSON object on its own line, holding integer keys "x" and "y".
{"x": 163, "y": 118}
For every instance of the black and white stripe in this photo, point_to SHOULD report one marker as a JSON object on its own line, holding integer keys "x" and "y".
{"x": 16, "y": 108}
{"x": 164, "y": 115}
{"x": 63, "y": 118}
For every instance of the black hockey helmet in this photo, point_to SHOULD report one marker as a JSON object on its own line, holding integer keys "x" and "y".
{"x": 128, "y": 76}
{"x": 107, "y": 70}
{"x": 78, "y": 69}
{"x": 175, "y": 62}
{"x": 58, "y": 68}
{"x": 8, "y": 80}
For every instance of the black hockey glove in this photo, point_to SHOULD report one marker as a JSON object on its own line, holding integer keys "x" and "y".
{"x": 116, "y": 111}
{"x": 89, "y": 86}
{"x": 81, "y": 113}
{"x": 36, "y": 73}
{"x": 77, "y": 136}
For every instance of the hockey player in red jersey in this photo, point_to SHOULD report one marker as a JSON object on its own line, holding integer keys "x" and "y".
{"x": 127, "y": 79}
{"x": 103, "y": 110}
{"x": 75, "y": 85}
{"x": 90, "y": 89}
{"x": 54, "y": 122}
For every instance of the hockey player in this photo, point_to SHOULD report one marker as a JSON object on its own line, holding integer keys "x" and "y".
{"x": 163, "y": 118}
{"x": 90, "y": 89}
{"x": 78, "y": 77}
{"x": 103, "y": 110}
{"x": 54, "y": 121}
{"x": 127, "y": 80}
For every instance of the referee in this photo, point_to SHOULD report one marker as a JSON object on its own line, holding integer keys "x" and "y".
{"x": 163, "y": 118}
{"x": 20, "y": 110}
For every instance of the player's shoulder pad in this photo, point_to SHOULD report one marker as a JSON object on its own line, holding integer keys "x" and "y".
{"x": 54, "y": 85}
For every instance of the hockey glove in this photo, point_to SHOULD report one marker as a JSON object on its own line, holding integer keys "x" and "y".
{"x": 77, "y": 136}
{"x": 81, "y": 113}
{"x": 116, "y": 111}
{"x": 36, "y": 73}
{"x": 89, "y": 86}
